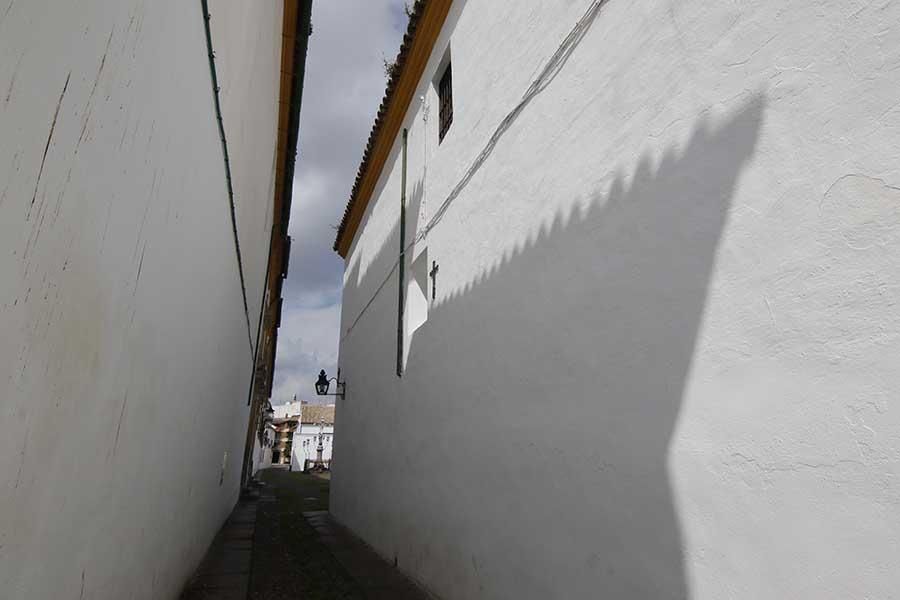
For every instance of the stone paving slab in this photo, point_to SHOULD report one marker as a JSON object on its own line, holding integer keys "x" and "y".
{"x": 238, "y": 532}
{"x": 224, "y": 573}
{"x": 376, "y": 577}
{"x": 227, "y": 561}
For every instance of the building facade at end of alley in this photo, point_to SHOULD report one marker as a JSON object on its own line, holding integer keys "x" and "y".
{"x": 298, "y": 436}
{"x": 620, "y": 302}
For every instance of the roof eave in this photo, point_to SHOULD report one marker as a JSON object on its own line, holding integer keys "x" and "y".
{"x": 425, "y": 24}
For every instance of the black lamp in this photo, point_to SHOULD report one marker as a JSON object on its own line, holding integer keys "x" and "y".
{"x": 323, "y": 383}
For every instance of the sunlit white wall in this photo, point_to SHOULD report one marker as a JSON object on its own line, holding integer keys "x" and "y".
{"x": 661, "y": 356}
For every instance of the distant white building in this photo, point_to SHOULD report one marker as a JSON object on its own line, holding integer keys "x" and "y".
{"x": 300, "y": 427}
{"x": 288, "y": 409}
{"x": 316, "y": 429}
{"x": 262, "y": 447}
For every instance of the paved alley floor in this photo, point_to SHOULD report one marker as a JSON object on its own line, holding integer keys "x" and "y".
{"x": 282, "y": 544}
{"x": 224, "y": 573}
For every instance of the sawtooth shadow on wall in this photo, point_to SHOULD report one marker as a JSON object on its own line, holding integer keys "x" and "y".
{"x": 558, "y": 375}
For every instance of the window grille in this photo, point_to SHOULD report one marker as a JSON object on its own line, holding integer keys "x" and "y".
{"x": 445, "y": 97}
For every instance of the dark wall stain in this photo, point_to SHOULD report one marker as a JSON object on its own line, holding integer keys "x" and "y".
{"x": 90, "y": 102}
{"x": 137, "y": 279}
{"x": 61, "y": 195}
{"x": 6, "y": 12}
{"x": 124, "y": 131}
{"x": 22, "y": 458}
{"x": 140, "y": 235}
{"x": 47, "y": 145}
{"x": 12, "y": 81}
{"x": 106, "y": 226}
{"x": 150, "y": 137}
{"x": 119, "y": 426}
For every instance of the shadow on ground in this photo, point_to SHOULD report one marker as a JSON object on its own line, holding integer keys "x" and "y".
{"x": 289, "y": 561}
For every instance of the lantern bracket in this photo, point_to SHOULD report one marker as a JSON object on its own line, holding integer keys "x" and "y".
{"x": 324, "y": 382}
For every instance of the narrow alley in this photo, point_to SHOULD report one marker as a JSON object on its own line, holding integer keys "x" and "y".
{"x": 280, "y": 544}
{"x": 449, "y": 299}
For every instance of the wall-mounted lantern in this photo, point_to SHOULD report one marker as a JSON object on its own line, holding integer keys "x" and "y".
{"x": 323, "y": 383}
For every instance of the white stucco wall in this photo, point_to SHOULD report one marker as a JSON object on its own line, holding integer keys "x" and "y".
{"x": 124, "y": 353}
{"x": 288, "y": 409}
{"x": 661, "y": 359}
{"x": 262, "y": 453}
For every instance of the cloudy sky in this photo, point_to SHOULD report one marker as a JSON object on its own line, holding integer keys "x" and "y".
{"x": 344, "y": 84}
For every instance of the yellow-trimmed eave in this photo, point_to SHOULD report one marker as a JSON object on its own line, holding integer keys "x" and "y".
{"x": 411, "y": 62}
{"x": 288, "y": 38}
{"x": 279, "y": 216}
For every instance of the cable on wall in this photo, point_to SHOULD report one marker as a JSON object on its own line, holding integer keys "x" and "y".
{"x": 237, "y": 243}
{"x": 552, "y": 67}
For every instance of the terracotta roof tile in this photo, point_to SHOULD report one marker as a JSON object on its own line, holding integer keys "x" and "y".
{"x": 314, "y": 413}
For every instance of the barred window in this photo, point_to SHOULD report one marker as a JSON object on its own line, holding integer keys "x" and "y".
{"x": 445, "y": 97}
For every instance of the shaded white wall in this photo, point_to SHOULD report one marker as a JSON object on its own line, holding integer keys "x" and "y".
{"x": 124, "y": 353}
{"x": 661, "y": 359}
{"x": 262, "y": 453}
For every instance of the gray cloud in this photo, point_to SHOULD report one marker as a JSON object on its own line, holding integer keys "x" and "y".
{"x": 343, "y": 87}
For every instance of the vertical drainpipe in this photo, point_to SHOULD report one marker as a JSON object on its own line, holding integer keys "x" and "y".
{"x": 402, "y": 258}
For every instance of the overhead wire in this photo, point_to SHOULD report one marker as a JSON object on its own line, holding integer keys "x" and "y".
{"x": 551, "y": 68}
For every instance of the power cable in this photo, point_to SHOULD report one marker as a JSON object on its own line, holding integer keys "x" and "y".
{"x": 546, "y": 75}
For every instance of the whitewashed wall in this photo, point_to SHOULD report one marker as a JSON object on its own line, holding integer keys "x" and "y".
{"x": 124, "y": 351}
{"x": 662, "y": 358}
{"x": 262, "y": 453}
{"x": 288, "y": 409}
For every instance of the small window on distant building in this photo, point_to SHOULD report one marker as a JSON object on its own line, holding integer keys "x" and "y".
{"x": 445, "y": 98}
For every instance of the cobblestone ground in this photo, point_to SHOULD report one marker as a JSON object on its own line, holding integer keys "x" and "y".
{"x": 280, "y": 542}
{"x": 289, "y": 561}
